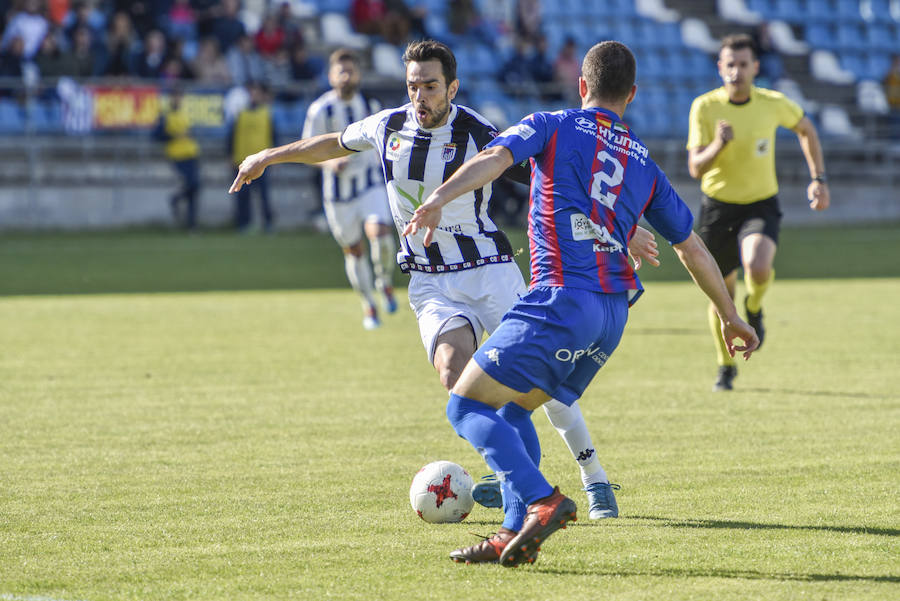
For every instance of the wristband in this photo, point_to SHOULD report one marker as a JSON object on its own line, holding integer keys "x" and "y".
{"x": 820, "y": 178}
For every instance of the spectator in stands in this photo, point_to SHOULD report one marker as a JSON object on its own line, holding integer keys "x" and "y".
{"x": 30, "y": 26}
{"x": 528, "y": 18}
{"x": 122, "y": 45}
{"x": 367, "y": 16}
{"x": 228, "y": 27}
{"x": 304, "y": 66}
{"x": 568, "y": 69}
{"x": 12, "y": 58}
{"x": 174, "y": 65}
{"x": 293, "y": 35}
{"x": 84, "y": 14}
{"x": 57, "y": 11}
{"x": 252, "y": 131}
{"x": 88, "y": 62}
{"x": 541, "y": 70}
{"x": 210, "y": 67}
{"x": 515, "y": 71}
{"x": 142, "y": 13}
{"x": 277, "y": 70}
{"x": 397, "y": 22}
{"x": 53, "y": 62}
{"x": 892, "y": 93}
{"x": 465, "y": 20}
{"x": 150, "y": 61}
{"x": 174, "y": 128}
{"x": 270, "y": 38}
{"x": 244, "y": 63}
{"x": 181, "y": 22}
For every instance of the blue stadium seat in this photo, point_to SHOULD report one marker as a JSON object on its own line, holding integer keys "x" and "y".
{"x": 878, "y": 36}
{"x": 854, "y": 62}
{"x": 791, "y": 11}
{"x": 848, "y": 10}
{"x": 820, "y": 35}
{"x": 881, "y": 11}
{"x": 849, "y": 36}
{"x": 877, "y": 65}
{"x": 764, "y": 7}
{"x": 12, "y": 118}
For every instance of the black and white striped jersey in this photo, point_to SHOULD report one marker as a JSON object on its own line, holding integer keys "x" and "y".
{"x": 415, "y": 162}
{"x": 329, "y": 113}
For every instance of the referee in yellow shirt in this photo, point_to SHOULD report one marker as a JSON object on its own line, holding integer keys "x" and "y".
{"x": 731, "y": 149}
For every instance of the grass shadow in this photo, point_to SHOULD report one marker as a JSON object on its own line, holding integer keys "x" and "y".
{"x": 741, "y": 525}
{"x": 719, "y": 573}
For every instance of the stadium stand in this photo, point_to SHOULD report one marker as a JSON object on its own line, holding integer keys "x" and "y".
{"x": 831, "y": 56}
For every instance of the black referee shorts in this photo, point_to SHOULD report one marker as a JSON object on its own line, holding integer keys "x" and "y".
{"x": 723, "y": 225}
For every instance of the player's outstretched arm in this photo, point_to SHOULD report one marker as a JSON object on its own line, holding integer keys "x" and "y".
{"x": 642, "y": 246}
{"x": 817, "y": 192}
{"x": 484, "y": 167}
{"x": 702, "y": 267}
{"x": 308, "y": 150}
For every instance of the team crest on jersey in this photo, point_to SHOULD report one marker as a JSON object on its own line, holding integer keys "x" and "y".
{"x": 448, "y": 152}
{"x": 762, "y": 147}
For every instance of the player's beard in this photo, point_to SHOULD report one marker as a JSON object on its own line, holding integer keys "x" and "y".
{"x": 433, "y": 117}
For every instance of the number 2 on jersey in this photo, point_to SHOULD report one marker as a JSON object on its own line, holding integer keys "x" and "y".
{"x": 602, "y": 181}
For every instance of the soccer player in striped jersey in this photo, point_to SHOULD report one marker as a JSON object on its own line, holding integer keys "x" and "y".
{"x": 592, "y": 180}
{"x": 465, "y": 278}
{"x": 353, "y": 191}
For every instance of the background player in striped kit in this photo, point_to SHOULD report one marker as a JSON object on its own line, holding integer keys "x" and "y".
{"x": 462, "y": 283}
{"x": 353, "y": 193}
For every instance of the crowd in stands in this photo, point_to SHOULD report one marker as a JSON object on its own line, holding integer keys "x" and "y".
{"x": 531, "y": 48}
{"x": 208, "y": 42}
{"x": 195, "y": 40}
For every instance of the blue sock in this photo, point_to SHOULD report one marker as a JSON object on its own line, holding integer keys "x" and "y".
{"x": 499, "y": 443}
{"x": 520, "y": 419}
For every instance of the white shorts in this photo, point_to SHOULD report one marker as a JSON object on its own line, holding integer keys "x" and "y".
{"x": 346, "y": 219}
{"x": 478, "y": 297}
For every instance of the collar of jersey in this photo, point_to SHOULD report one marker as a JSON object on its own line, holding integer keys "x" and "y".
{"x": 612, "y": 116}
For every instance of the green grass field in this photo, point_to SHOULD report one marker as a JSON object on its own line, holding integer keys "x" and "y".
{"x": 204, "y": 418}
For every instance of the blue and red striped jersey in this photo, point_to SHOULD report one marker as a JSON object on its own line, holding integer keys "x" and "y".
{"x": 591, "y": 181}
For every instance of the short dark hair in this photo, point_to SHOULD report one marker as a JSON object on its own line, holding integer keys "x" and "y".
{"x": 430, "y": 50}
{"x": 344, "y": 54}
{"x": 739, "y": 41}
{"x": 609, "y": 69}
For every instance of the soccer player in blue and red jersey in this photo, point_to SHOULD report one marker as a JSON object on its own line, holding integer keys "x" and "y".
{"x": 592, "y": 180}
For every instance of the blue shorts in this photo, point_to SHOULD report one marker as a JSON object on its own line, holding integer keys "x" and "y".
{"x": 555, "y": 339}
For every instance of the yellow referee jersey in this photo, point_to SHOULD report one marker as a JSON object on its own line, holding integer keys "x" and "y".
{"x": 744, "y": 171}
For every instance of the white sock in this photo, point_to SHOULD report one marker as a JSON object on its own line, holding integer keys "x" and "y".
{"x": 569, "y": 422}
{"x": 383, "y": 251}
{"x": 360, "y": 275}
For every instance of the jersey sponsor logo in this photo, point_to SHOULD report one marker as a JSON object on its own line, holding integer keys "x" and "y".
{"x": 587, "y": 124}
{"x": 521, "y": 130}
{"x": 762, "y": 147}
{"x": 569, "y": 356}
{"x": 585, "y": 229}
{"x": 415, "y": 201}
{"x": 448, "y": 152}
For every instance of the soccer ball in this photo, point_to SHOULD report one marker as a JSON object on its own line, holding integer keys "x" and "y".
{"x": 442, "y": 492}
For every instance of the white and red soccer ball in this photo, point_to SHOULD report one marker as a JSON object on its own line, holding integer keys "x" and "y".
{"x": 442, "y": 492}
